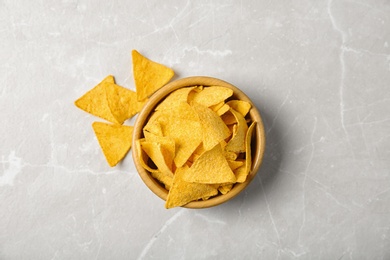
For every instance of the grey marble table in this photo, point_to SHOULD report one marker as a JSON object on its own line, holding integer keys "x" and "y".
{"x": 319, "y": 72}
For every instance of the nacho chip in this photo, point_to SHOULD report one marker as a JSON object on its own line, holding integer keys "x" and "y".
{"x": 122, "y": 102}
{"x": 225, "y": 188}
{"x": 235, "y": 164}
{"x": 214, "y": 129}
{"x": 143, "y": 157}
{"x": 242, "y": 172}
{"x": 175, "y": 98}
{"x": 216, "y": 107}
{"x": 222, "y": 110}
{"x": 240, "y": 106}
{"x": 115, "y": 140}
{"x": 187, "y": 135}
{"x": 210, "y": 168}
{"x": 182, "y": 110}
{"x": 183, "y": 192}
{"x": 149, "y": 76}
{"x": 95, "y": 101}
{"x": 153, "y": 125}
{"x": 160, "y": 155}
{"x": 237, "y": 143}
{"x": 212, "y": 95}
{"x": 228, "y": 118}
{"x": 164, "y": 178}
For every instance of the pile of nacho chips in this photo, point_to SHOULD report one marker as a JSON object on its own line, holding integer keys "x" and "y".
{"x": 197, "y": 143}
{"x": 116, "y": 104}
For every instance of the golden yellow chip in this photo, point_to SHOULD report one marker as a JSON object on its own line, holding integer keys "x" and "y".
{"x": 222, "y": 110}
{"x": 175, "y": 98}
{"x": 164, "y": 178}
{"x": 237, "y": 142}
{"x": 235, "y": 164}
{"x": 160, "y": 156}
{"x": 240, "y": 106}
{"x": 143, "y": 157}
{"x": 183, "y": 192}
{"x": 95, "y": 101}
{"x": 122, "y": 102}
{"x": 115, "y": 140}
{"x": 214, "y": 129}
{"x": 212, "y": 95}
{"x": 242, "y": 172}
{"x": 166, "y": 141}
{"x": 153, "y": 125}
{"x": 228, "y": 118}
{"x": 216, "y": 107}
{"x": 210, "y": 168}
{"x": 182, "y": 110}
{"x": 225, "y": 188}
{"x": 187, "y": 135}
{"x": 149, "y": 76}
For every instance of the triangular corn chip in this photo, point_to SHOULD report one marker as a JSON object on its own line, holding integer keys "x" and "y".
{"x": 235, "y": 164}
{"x": 153, "y": 125}
{"x": 149, "y": 76}
{"x": 187, "y": 135}
{"x": 212, "y": 95}
{"x": 115, "y": 140}
{"x": 143, "y": 157}
{"x": 240, "y": 106}
{"x": 95, "y": 101}
{"x": 183, "y": 192}
{"x": 225, "y": 188}
{"x": 164, "y": 178}
{"x": 161, "y": 156}
{"x": 210, "y": 168}
{"x": 222, "y": 110}
{"x": 214, "y": 129}
{"x": 242, "y": 172}
{"x": 237, "y": 143}
{"x": 122, "y": 102}
{"x": 175, "y": 98}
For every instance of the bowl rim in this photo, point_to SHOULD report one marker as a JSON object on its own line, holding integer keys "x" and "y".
{"x": 157, "y": 97}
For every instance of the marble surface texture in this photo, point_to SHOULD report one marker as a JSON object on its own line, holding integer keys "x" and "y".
{"x": 319, "y": 72}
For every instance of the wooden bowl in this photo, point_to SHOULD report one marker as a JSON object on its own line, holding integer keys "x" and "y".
{"x": 258, "y": 141}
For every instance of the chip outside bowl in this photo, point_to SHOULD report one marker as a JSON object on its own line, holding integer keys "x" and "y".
{"x": 258, "y": 141}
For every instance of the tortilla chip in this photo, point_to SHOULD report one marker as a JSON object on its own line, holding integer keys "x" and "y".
{"x": 210, "y": 168}
{"x": 225, "y": 188}
{"x": 115, "y": 140}
{"x": 149, "y": 76}
{"x": 160, "y": 155}
{"x": 222, "y": 110}
{"x": 214, "y": 129}
{"x": 237, "y": 142}
{"x": 122, "y": 102}
{"x": 216, "y": 107}
{"x": 235, "y": 164}
{"x": 143, "y": 157}
{"x": 240, "y": 106}
{"x": 164, "y": 178}
{"x": 242, "y": 172}
{"x": 175, "y": 98}
{"x": 95, "y": 101}
{"x": 228, "y": 118}
{"x": 183, "y": 192}
{"x": 212, "y": 95}
{"x": 153, "y": 125}
{"x": 187, "y": 135}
